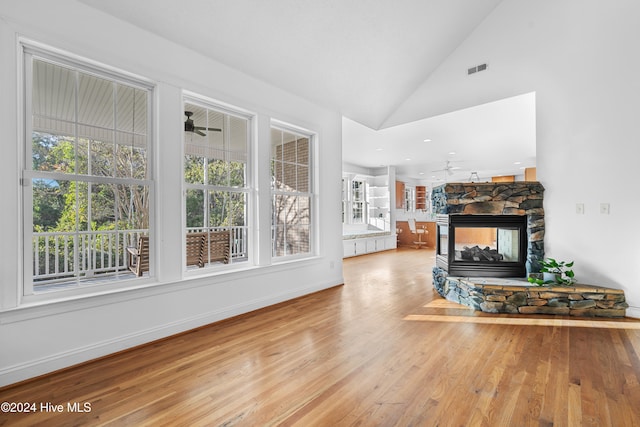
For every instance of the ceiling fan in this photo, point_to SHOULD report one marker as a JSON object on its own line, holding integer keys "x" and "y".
{"x": 189, "y": 126}
{"x": 447, "y": 168}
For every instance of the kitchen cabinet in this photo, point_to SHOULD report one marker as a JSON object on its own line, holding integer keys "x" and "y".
{"x": 366, "y": 245}
{"x": 421, "y": 197}
{"x": 399, "y": 195}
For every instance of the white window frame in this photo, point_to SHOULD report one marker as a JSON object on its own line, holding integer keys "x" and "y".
{"x": 362, "y": 201}
{"x": 410, "y": 199}
{"x": 350, "y": 201}
{"x": 248, "y": 190}
{"x": 345, "y": 199}
{"x": 312, "y": 194}
{"x": 27, "y": 50}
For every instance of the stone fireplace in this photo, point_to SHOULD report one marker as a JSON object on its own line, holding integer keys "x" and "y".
{"x": 489, "y": 229}
{"x": 489, "y": 237}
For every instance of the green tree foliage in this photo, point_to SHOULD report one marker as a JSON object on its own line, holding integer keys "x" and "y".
{"x": 48, "y": 204}
{"x": 65, "y": 205}
{"x": 226, "y": 208}
{"x": 195, "y": 208}
{"x": 50, "y": 197}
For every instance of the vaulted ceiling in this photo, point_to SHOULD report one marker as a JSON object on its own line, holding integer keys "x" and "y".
{"x": 361, "y": 58}
{"x": 364, "y": 59}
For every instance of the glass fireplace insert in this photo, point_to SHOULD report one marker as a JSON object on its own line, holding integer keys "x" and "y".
{"x": 482, "y": 245}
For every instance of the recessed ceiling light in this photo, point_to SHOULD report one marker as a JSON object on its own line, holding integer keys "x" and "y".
{"x": 522, "y": 167}
{"x": 452, "y": 153}
{"x": 517, "y": 163}
{"x": 378, "y": 149}
{"x": 433, "y": 176}
{"x": 427, "y": 140}
{"x": 408, "y": 159}
{"x": 421, "y": 173}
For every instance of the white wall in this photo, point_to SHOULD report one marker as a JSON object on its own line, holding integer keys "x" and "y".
{"x": 580, "y": 57}
{"x": 39, "y": 338}
{"x": 588, "y": 143}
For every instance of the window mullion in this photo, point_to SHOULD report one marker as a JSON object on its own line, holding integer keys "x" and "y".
{"x": 76, "y": 237}
{"x": 207, "y": 194}
{"x": 29, "y": 256}
{"x": 85, "y": 178}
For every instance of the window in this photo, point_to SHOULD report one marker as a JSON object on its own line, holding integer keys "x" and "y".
{"x": 345, "y": 199}
{"x": 355, "y": 192}
{"x": 409, "y": 199}
{"x": 216, "y": 144}
{"x": 358, "y": 192}
{"x": 86, "y": 175}
{"x": 291, "y": 191}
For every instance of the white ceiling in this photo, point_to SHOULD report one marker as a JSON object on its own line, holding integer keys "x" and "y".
{"x": 498, "y": 138}
{"x": 360, "y": 58}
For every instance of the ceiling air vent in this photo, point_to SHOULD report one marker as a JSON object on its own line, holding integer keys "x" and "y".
{"x": 476, "y": 69}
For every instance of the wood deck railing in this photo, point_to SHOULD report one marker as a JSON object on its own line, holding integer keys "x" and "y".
{"x": 99, "y": 253}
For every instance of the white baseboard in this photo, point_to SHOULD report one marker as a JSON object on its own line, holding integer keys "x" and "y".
{"x": 633, "y": 312}
{"x": 20, "y": 372}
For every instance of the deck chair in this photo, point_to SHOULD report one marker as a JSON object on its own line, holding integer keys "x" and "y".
{"x": 218, "y": 247}
{"x": 195, "y": 248}
{"x": 138, "y": 257}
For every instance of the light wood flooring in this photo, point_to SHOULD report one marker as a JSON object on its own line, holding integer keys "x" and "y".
{"x": 382, "y": 350}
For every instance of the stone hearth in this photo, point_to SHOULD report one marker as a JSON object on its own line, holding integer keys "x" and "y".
{"x": 520, "y": 297}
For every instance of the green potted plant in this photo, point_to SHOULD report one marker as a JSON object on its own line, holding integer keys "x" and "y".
{"x": 559, "y": 271}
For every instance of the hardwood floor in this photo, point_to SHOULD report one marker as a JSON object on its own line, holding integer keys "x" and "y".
{"x": 382, "y": 350}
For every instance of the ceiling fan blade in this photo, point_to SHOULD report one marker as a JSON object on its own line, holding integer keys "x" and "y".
{"x": 199, "y": 132}
{"x": 209, "y": 129}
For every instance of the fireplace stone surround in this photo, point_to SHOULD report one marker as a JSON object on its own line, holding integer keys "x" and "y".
{"x": 495, "y": 295}
{"x": 524, "y": 198}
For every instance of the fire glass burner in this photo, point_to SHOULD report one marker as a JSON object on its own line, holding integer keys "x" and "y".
{"x": 482, "y": 245}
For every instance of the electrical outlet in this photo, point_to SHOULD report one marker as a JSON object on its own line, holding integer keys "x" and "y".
{"x": 604, "y": 208}
{"x": 580, "y": 208}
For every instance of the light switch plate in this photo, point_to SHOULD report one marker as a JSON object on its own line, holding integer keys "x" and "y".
{"x": 604, "y": 208}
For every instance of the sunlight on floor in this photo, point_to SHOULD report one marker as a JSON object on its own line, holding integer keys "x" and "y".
{"x": 603, "y": 324}
{"x": 520, "y": 321}
{"x": 443, "y": 303}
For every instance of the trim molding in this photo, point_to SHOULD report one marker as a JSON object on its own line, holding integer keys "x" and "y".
{"x": 54, "y": 362}
{"x": 633, "y": 312}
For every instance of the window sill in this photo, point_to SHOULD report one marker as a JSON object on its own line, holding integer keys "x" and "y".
{"x": 63, "y": 304}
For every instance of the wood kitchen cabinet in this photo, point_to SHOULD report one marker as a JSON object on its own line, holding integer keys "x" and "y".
{"x": 421, "y": 197}
{"x": 399, "y": 195}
